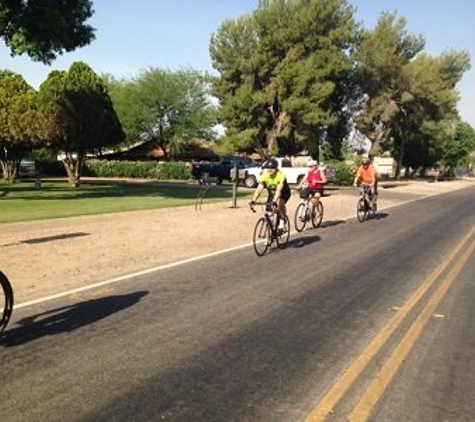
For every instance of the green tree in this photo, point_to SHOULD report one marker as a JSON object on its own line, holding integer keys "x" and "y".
{"x": 458, "y": 148}
{"x": 407, "y": 95}
{"x": 42, "y": 29}
{"x": 165, "y": 107}
{"x": 429, "y": 107}
{"x": 282, "y": 73}
{"x": 381, "y": 56}
{"x": 79, "y": 116}
{"x": 18, "y": 122}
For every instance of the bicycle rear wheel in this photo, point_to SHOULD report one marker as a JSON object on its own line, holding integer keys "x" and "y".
{"x": 283, "y": 236}
{"x": 6, "y": 301}
{"x": 317, "y": 215}
{"x": 300, "y": 218}
{"x": 262, "y": 237}
{"x": 362, "y": 210}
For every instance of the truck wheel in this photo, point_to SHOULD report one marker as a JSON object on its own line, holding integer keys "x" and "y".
{"x": 250, "y": 182}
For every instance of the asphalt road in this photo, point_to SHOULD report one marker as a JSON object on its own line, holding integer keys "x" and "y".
{"x": 302, "y": 332}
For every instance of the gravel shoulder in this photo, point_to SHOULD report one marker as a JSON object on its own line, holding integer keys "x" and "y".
{"x": 53, "y": 256}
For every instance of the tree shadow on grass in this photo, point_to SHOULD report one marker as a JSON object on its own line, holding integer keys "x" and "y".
{"x": 58, "y": 192}
{"x": 67, "y": 318}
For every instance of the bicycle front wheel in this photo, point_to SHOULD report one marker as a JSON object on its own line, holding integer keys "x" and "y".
{"x": 6, "y": 304}
{"x": 362, "y": 210}
{"x": 262, "y": 238}
{"x": 317, "y": 215}
{"x": 300, "y": 218}
{"x": 283, "y": 235}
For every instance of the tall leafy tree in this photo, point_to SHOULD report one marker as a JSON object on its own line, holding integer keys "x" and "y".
{"x": 381, "y": 56}
{"x": 42, "y": 29}
{"x": 429, "y": 107}
{"x": 407, "y": 95}
{"x": 79, "y": 115}
{"x": 18, "y": 122}
{"x": 164, "y": 107}
{"x": 282, "y": 70}
{"x": 458, "y": 148}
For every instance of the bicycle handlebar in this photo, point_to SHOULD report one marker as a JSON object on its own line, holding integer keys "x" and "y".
{"x": 252, "y": 203}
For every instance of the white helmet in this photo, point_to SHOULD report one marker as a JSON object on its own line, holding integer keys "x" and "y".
{"x": 311, "y": 163}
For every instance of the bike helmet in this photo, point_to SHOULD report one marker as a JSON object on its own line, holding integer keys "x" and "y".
{"x": 271, "y": 164}
{"x": 311, "y": 163}
{"x": 365, "y": 160}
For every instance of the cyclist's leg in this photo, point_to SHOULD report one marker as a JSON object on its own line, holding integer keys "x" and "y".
{"x": 375, "y": 196}
{"x": 317, "y": 194}
{"x": 283, "y": 201}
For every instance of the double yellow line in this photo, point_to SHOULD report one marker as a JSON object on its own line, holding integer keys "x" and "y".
{"x": 381, "y": 381}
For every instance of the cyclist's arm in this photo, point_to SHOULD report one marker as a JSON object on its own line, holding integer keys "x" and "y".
{"x": 304, "y": 179}
{"x": 323, "y": 177}
{"x": 278, "y": 192}
{"x": 357, "y": 176}
{"x": 257, "y": 192}
{"x": 373, "y": 176}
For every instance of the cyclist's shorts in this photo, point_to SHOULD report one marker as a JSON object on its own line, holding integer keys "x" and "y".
{"x": 305, "y": 193}
{"x": 285, "y": 195}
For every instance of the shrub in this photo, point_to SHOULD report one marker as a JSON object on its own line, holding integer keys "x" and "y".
{"x": 344, "y": 174}
{"x": 138, "y": 170}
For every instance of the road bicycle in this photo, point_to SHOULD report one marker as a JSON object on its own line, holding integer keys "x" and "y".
{"x": 6, "y": 301}
{"x": 365, "y": 208}
{"x": 267, "y": 231}
{"x": 306, "y": 211}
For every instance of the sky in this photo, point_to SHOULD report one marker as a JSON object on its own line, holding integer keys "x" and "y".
{"x": 134, "y": 35}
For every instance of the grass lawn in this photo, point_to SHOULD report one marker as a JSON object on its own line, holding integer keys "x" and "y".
{"x": 22, "y": 202}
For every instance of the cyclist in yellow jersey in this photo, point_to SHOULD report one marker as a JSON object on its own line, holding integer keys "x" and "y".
{"x": 277, "y": 187}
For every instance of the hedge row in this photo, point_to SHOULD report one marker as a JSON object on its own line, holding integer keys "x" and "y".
{"x": 140, "y": 170}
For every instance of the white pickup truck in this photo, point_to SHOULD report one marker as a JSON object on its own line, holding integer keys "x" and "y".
{"x": 294, "y": 174}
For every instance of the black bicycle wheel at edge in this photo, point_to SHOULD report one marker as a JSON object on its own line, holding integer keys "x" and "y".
{"x": 283, "y": 236}
{"x": 6, "y": 304}
{"x": 300, "y": 219}
{"x": 317, "y": 215}
{"x": 261, "y": 239}
{"x": 361, "y": 210}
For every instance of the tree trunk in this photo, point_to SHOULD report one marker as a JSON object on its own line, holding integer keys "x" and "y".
{"x": 10, "y": 170}
{"x": 73, "y": 163}
{"x": 400, "y": 160}
{"x": 10, "y": 160}
{"x": 281, "y": 122}
{"x": 272, "y": 145}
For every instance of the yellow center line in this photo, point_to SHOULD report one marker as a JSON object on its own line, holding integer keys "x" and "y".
{"x": 376, "y": 389}
{"x": 342, "y": 385}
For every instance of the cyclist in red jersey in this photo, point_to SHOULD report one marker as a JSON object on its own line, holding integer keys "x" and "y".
{"x": 315, "y": 180}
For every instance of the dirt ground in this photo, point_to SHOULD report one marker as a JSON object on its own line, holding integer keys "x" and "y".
{"x": 48, "y": 257}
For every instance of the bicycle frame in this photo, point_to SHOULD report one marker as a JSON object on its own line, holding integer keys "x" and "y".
{"x": 365, "y": 203}
{"x": 6, "y": 306}
{"x": 306, "y": 211}
{"x": 266, "y": 230}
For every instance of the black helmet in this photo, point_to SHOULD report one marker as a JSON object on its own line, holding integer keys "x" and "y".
{"x": 271, "y": 164}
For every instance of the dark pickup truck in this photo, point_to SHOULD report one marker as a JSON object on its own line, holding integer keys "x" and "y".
{"x": 220, "y": 170}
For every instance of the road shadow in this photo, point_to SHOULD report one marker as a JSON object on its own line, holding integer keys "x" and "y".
{"x": 332, "y": 223}
{"x": 61, "y": 236}
{"x": 67, "y": 318}
{"x": 303, "y": 241}
{"x": 379, "y": 216}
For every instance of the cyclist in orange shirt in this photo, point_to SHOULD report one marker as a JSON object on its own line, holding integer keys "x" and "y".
{"x": 366, "y": 174}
